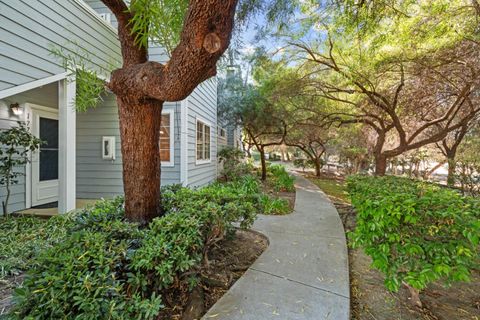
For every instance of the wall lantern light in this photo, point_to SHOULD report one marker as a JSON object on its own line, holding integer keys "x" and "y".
{"x": 16, "y": 109}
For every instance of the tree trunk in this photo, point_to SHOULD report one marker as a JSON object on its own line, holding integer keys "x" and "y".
{"x": 318, "y": 166}
{"x": 452, "y": 165}
{"x": 264, "y": 164}
{"x": 380, "y": 165}
{"x": 140, "y": 132}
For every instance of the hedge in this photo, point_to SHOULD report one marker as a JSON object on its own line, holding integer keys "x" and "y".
{"x": 415, "y": 232}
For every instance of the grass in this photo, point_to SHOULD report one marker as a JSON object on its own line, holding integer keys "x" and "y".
{"x": 335, "y": 189}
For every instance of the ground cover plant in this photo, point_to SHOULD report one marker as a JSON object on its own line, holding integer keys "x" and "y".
{"x": 106, "y": 266}
{"x": 21, "y": 238}
{"x": 416, "y": 233}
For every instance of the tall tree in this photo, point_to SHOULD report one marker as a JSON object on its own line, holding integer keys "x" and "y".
{"x": 203, "y": 32}
{"x": 409, "y": 103}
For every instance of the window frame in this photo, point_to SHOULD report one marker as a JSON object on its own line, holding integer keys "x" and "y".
{"x": 208, "y": 124}
{"x": 170, "y": 163}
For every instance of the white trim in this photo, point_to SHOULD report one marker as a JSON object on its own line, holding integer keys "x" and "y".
{"x": 171, "y": 114}
{"x": 32, "y": 85}
{"x": 209, "y": 124}
{"x": 184, "y": 143}
{"x": 67, "y": 180}
{"x": 28, "y": 166}
{"x": 30, "y": 109}
{"x": 97, "y": 15}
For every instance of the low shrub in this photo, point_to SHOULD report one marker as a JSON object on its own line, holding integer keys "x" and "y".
{"x": 303, "y": 163}
{"x": 274, "y": 206}
{"x": 415, "y": 232}
{"x": 108, "y": 268}
{"x": 21, "y": 238}
{"x": 280, "y": 179}
{"x": 233, "y": 165}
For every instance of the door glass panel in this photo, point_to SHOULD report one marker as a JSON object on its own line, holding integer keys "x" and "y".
{"x": 49, "y": 149}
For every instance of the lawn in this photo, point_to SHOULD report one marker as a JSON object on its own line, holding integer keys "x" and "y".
{"x": 334, "y": 188}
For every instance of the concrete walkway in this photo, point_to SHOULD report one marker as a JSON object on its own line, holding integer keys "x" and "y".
{"x": 303, "y": 274}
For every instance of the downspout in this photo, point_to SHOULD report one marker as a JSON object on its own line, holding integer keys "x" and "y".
{"x": 184, "y": 143}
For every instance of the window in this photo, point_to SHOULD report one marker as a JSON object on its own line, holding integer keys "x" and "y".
{"x": 166, "y": 139}
{"x": 222, "y": 132}
{"x": 203, "y": 142}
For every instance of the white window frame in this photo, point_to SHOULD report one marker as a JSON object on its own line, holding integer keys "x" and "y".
{"x": 170, "y": 163}
{"x": 208, "y": 124}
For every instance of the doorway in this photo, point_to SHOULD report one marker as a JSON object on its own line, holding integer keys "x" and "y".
{"x": 45, "y": 160}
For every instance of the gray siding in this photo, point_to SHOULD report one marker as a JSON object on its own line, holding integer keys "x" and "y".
{"x": 98, "y": 178}
{"x": 202, "y": 104}
{"x": 30, "y": 28}
{"x": 100, "y": 7}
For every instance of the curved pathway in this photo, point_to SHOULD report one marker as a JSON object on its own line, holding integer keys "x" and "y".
{"x": 303, "y": 274}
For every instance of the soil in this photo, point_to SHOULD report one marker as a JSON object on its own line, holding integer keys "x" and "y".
{"x": 6, "y": 290}
{"x": 228, "y": 261}
{"x": 371, "y": 301}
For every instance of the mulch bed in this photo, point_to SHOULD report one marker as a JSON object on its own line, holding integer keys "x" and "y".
{"x": 371, "y": 301}
{"x": 228, "y": 261}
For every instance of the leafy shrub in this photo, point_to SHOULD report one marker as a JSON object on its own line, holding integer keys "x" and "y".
{"x": 233, "y": 167}
{"x": 274, "y": 206}
{"x": 302, "y": 163}
{"x": 21, "y": 238}
{"x": 280, "y": 179}
{"x": 108, "y": 268}
{"x": 415, "y": 232}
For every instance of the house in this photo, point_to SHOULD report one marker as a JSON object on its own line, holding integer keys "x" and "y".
{"x": 82, "y": 159}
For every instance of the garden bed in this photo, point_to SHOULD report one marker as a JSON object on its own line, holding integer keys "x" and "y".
{"x": 228, "y": 262}
{"x": 370, "y": 300}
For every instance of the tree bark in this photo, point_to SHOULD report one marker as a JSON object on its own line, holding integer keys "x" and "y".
{"x": 318, "y": 167}
{"x": 380, "y": 165}
{"x": 264, "y": 164}
{"x": 452, "y": 165}
{"x": 140, "y": 132}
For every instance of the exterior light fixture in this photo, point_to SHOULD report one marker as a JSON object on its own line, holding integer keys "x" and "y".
{"x": 16, "y": 109}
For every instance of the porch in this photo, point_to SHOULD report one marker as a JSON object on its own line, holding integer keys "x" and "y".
{"x": 50, "y": 210}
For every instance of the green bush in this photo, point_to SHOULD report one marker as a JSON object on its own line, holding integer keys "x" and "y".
{"x": 274, "y": 206}
{"x": 233, "y": 166}
{"x": 415, "y": 232}
{"x": 108, "y": 268}
{"x": 21, "y": 238}
{"x": 280, "y": 179}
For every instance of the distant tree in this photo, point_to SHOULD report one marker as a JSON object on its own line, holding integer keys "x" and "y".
{"x": 410, "y": 104}
{"x": 449, "y": 146}
{"x": 312, "y": 140}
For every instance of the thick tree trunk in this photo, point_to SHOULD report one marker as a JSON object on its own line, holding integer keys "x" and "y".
{"x": 380, "y": 165}
{"x": 452, "y": 166}
{"x": 264, "y": 164}
{"x": 140, "y": 130}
